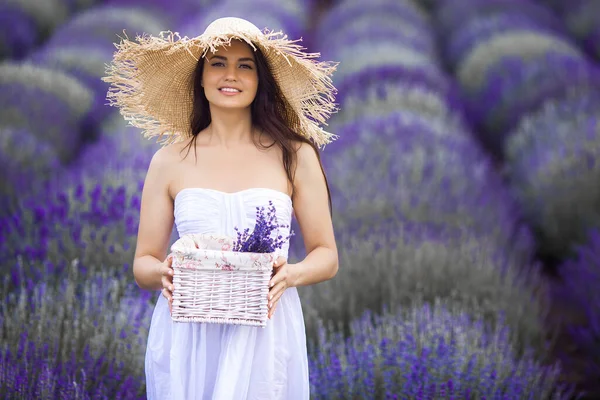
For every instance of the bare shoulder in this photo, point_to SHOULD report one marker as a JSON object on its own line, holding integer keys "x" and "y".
{"x": 305, "y": 154}
{"x": 163, "y": 162}
{"x": 303, "y": 148}
{"x": 170, "y": 153}
{"x": 161, "y": 158}
{"x": 307, "y": 162}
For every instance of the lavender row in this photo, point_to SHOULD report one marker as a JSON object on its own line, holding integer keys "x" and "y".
{"x": 428, "y": 107}
{"x": 516, "y": 66}
{"x": 56, "y": 95}
{"x": 50, "y": 104}
{"x": 535, "y": 97}
{"x": 425, "y": 173}
{"x": 580, "y": 18}
{"x": 380, "y": 91}
{"x": 508, "y": 57}
{"x": 87, "y": 342}
{"x": 26, "y": 24}
{"x": 25, "y": 161}
{"x": 414, "y": 190}
{"x": 426, "y": 352}
{"x": 402, "y": 22}
{"x": 89, "y": 212}
{"x": 552, "y": 164}
{"x": 394, "y": 265}
{"x": 83, "y": 46}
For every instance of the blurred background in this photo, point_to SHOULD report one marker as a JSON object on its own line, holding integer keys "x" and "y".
{"x": 465, "y": 186}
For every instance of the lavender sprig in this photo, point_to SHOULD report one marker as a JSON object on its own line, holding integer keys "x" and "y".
{"x": 261, "y": 239}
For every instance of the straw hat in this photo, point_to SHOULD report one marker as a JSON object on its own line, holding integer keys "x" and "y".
{"x": 152, "y": 80}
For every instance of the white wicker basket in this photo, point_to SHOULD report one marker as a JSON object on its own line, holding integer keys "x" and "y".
{"x": 216, "y": 285}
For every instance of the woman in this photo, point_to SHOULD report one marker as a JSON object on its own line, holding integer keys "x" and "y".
{"x": 248, "y": 104}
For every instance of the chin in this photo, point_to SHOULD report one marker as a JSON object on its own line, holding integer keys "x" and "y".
{"x": 238, "y": 102}
{"x": 231, "y": 105}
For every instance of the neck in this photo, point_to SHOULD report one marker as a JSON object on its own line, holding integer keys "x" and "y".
{"x": 230, "y": 128}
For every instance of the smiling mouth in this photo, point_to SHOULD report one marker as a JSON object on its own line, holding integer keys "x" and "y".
{"x": 229, "y": 90}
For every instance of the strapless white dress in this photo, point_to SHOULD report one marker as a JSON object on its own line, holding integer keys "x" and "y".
{"x": 188, "y": 361}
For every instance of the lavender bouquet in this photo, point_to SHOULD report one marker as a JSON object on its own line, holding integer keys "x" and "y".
{"x": 261, "y": 240}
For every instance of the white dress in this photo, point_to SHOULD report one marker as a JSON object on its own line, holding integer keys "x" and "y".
{"x": 221, "y": 362}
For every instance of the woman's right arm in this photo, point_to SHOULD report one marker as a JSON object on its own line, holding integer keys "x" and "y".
{"x": 156, "y": 223}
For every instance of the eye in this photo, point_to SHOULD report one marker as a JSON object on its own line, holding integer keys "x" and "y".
{"x": 246, "y": 66}
{"x": 218, "y": 63}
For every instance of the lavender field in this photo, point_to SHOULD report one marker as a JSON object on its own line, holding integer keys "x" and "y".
{"x": 465, "y": 186}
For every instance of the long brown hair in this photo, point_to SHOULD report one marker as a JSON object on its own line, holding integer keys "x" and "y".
{"x": 270, "y": 112}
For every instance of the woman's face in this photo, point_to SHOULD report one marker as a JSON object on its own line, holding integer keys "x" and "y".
{"x": 230, "y": 78}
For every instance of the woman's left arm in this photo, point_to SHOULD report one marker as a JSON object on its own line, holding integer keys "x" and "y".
{"x": 312, "y": 212}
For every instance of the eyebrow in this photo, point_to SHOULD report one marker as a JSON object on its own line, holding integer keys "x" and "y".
{"x": 241, "y": 59}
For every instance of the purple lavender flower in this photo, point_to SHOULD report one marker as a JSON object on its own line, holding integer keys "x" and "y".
{"x": 480, "y": 29}
{"x": 170, "y": 13}
{"x": 45, "y": 18}
{"x": 457, "y": 186}
{"x": 263, "y": 13}
{"x": 99, "y": 27}
{"x": 18, "y": 33}
{"x": 452, "y": 14}
{"x": 580, "y": 18}
{"x": 24, "y": 160}
{"x": 578, "y": 294}
{"x": 47, "y": 102}
{"x": 515, "y": 87}
{"x": 345, "y": 13}
{"x": 362, "y": 29}
{"x": 88, "y": 342}
{"x": 383, "y": 54}
{"x": 554, "y": 175}
{"x": 87, "y": 64}
{"x": 83, "y": 211}
{"x": 378, "y": 76}
{"x": 261, "y": 239}
{"x": 424, "y": 351}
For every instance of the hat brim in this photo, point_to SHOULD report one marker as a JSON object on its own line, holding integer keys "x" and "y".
{"x": 151, "y": 81}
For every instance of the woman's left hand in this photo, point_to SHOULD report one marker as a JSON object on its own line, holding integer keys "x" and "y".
{"x": 280, "y": 281}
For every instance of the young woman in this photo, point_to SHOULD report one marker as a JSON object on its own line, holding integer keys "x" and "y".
{"x": 247, "y": 104}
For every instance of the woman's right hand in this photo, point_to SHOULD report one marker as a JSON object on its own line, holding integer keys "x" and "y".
{"x": 166, "y": 272}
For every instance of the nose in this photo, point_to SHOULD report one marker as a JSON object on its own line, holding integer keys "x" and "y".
{"x": 231, "y": 73}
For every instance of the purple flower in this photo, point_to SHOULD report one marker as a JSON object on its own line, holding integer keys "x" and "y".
{"x": 452, "y": 14}
{"x": 580, "y": 18}
{"x": 579, "y": 296}
{"x": 89, "y": 208}
{"x": 515, "y": 87}
{"x": 48, "y": 103}
{"x": 554, "y": 174}
{"x": 99, "y": 27}
{"x": 426, "y": 351}
{"x": 18, "y": 33}
{"x": 86, "y": 343}
{"x": 261, "y": 240}
{"x": 263, "y": 13}
{"x": 477, "y": 30}
{"x": 346, "y": 13}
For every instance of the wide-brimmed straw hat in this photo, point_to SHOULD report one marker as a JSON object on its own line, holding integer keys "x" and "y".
{"x": 152, "y": 80}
